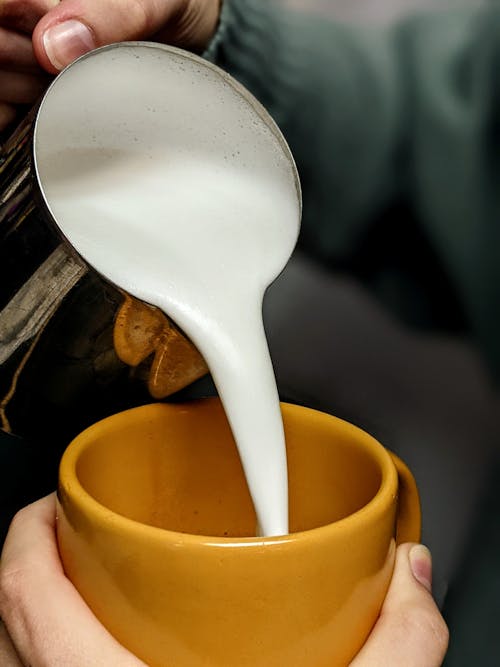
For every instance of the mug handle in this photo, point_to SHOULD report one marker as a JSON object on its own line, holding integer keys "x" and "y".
{"x": 409, "y": 519}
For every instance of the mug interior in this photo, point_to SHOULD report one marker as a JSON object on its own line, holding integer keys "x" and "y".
{"x": 177, "y": 467}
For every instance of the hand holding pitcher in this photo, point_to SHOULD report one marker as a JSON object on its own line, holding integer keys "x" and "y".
{"x": 22, "y": 80}
{"x": 40, "y": 36}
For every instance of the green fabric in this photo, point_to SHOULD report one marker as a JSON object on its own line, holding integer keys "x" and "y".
{"x": 395, "y": 134}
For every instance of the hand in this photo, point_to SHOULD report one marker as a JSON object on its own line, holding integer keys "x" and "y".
{"x": 410, "y": 630}
{"x": 22, "y": 80}
{"x": 47, "y": 620}
{"x": 75, "y": 27}
{"x": 50, "y": 624}
{"x": 40, "y": 36}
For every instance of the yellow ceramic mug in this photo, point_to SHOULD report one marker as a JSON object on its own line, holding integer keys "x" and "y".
{"x": 140, "y": 492}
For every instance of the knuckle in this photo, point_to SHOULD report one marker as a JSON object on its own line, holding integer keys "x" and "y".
{"x": 429, "y": 625}
{"x": 19, "y": 519}
{"x": 141, "y": 16}
{"x": 13, "y": 576}
{"x": 441, "y": 633}
{"x": 13, "y": 584}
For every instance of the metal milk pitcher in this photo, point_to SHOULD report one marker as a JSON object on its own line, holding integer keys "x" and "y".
{"x": 73, "y": 348}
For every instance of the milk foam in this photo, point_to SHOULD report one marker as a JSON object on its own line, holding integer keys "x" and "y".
{"x": 165, "y": 179}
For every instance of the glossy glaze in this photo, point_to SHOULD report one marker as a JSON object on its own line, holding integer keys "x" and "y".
{"x": 130, "y": 483}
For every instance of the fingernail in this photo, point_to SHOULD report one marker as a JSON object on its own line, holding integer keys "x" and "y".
{"x": 421, "y": 565}
{"x": 64, "y": 42}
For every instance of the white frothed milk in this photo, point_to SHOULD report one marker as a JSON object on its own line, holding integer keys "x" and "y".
{"x": 174, "y": 184}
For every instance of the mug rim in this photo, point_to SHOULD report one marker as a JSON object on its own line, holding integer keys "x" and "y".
{"x": 70, "y": 486}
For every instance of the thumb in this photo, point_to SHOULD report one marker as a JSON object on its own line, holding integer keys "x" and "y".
{"x": 75, "y": 27}
{"x": 410, "y": 630}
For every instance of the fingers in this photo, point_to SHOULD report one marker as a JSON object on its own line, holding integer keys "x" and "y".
{"x": 410, "y": 630}
{"x": 51, "y": 625}
{"x": 22, "y": 81}
{"x": 7, "y": 116}
{"x": 63, "y": 31}
{"x": 48, "y": 621}
{"x": 74, "y": 27}
{"x": 18, "y": 88}
{"x": 23, "y": 15}
{"x": 77, "y": 26}
{"x": 16, "y": 52}
{"x": 8, "y": 654}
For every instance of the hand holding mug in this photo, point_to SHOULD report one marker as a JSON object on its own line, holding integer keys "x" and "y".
{"x": 47, "y": 622}
{"x": 50, "y": 624}
{"x": 140, "y": 492}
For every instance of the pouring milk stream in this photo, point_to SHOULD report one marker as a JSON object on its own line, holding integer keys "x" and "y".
{"x": 173, "y": 183}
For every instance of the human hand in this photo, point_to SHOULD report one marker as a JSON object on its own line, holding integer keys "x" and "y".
{"x": 46, "y": 619}
{"x": 410, "y": 630}
{"x": 22, "y": 80}
{"x": 50, "y": 624}
{"x": 74, "y": 27}
{"x": 40, "y": 36}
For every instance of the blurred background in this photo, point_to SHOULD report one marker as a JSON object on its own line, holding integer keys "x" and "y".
{"x": 427, "y": 397}
{"x": 372, "y": 11}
